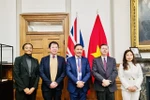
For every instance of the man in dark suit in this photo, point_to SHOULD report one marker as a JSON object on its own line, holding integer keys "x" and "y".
{"x": 105, "y": 72}
{"x": 78, "y": 72}
{"x": 52, "y": 72}
{"x": 26, "y": 74}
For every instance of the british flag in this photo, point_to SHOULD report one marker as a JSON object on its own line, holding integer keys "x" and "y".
{"x": 75, "y": 37}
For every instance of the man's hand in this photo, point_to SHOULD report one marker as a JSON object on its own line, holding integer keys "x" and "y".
{"x": 53, "y": 85}
{"x": 56, "y": 84}
{"x": 80, "y": 84}
{"x": 105, "y": 82}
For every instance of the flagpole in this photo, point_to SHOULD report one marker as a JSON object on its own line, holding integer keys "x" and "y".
{"x": 97, "y": 12}
{"x": 77, "y": 28}
{"x": 76, "y": 14}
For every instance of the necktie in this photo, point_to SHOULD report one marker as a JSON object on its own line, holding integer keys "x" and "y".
{"x": 79, "y": 65}
{"x": 53, "y": 68}
{"x": 105, "y": 64}
{"x": 53, "y": 56}
{"x": 79, "y": 68}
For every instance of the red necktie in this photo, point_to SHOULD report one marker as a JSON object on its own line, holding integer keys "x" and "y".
{"x": 105, "y": 64}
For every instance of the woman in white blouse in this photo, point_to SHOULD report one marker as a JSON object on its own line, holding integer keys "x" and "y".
{"x": 131, "y": 77}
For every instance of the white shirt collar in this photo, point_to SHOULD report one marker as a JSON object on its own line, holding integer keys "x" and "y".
{"x": 104, "y": 57}
{"x": 51, "y": 56}
{"x": 77, "y": 57}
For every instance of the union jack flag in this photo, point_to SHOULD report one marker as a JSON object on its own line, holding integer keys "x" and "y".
{"x": 75, "y": 37}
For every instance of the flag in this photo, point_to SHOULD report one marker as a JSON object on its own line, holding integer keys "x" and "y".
{"x": 97, "y": 38}
{"x": 75, "y": 37}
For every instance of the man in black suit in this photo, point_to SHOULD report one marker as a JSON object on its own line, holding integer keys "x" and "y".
{"x": 52, "y": 72}
{"x": 105, "y": 72}
{"x": 26, "y": 74}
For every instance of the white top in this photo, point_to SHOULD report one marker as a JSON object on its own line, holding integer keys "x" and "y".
{"x": 131, "y": 77}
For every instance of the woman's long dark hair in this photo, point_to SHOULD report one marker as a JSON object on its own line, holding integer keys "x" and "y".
{"x": 125, "y": 62}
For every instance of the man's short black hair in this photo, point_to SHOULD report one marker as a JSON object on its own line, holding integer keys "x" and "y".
{"x": 26, "y": 44}
{"x": 103, "y": 45}
{"x": 77, "y": 45}
{"x": 53, "y": 42}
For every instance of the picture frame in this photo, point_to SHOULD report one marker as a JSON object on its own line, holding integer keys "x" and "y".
{"x": 136, "y": 52}
{"x": 140, "y": 22}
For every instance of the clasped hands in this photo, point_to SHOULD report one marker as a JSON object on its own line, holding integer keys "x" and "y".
{"x": 53, "y": 85}
{"x": 132, "y": 88}
{"x": 80, "y": 84}
{"x": 105, "y": 82}
{"x": 29, "y": 91}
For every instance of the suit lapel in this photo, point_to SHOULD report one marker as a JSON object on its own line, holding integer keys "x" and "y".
{"x": 58, "y": 65}
{"x": 101, "y": 63}
{"x": 25, "y": 64}
{"x": 48, "y": 66}
{"x": 108, "y": 65}
{"x": 82, "y": 65}
{"x": 74, "y": 64}
{"x": 32, "y": 65}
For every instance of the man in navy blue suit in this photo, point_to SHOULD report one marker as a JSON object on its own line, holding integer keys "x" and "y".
{"x": 78, "y": 72}
{"x": 52, "y": 72}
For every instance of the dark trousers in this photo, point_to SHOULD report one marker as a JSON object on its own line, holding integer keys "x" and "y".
{"x": 20, "y": 95}
{"x": 105, "y": 95}
{"x": 78, "y": 95}
{"x": 52, "y": 94}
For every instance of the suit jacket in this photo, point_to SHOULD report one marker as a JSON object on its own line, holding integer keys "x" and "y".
{"x": 131, "y": 77}
{"x": 99, "y": 73}
{"x": 45, "y": 73}
{"x": 21, "y": 73}
{"x": 71, "y": 71}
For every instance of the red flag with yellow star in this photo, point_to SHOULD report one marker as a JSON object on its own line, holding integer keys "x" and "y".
{"x": 97, "y": 38}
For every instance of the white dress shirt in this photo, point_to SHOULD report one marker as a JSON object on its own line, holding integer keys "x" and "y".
{"x": 79, "y": 74}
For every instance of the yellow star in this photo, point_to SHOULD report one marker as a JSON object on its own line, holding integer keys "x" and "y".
{"x": 97, "y": 53}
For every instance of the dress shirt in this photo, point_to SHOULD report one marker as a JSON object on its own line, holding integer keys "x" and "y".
{"x": 79, "y": 73}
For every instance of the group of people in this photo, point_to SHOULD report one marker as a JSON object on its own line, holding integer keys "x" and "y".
{"x": 53, "y": 68}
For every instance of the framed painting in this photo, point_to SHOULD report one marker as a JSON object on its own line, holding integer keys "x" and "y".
{"x": 140, "y": 24}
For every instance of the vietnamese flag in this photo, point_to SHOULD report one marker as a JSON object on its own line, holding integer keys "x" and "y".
{"x": 97, "y": 38}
